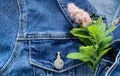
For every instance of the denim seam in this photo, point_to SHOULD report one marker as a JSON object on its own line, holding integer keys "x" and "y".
{"x": 24, "y": 39}
{"x": 91, "y": 10}
{"x": 12, "y": 59}
{"x": 71, "y": 72}
{"x": 116, "y": 13}
{"x": 15, "y": 53}
{"x": 39, "y": 65}
{"x": 23, "y": 16}
{"x": 112, "y": 35}
{"x": 84, "y": 70}
{"x": 104, "y": 60}
{"x": 46, "y": 36}
{"x": 51, "y": 73}
{"x": 38, "y": 34}
{"x": 110, "y": 70}
{"x": 30, "y": 50}
{"x": 34, "y": 71}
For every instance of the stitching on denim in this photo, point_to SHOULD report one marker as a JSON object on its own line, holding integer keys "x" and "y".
{"x": 45, "y": 36}
{"x": 112, "y": 32}
{"x": 40, "y": 73}
{"x": 117, "y": 12}
{"x": 12, "y": 59}
{"x": 30, "y": 51}
{"x": 110, "y": 70}
{"x": 84, "y": 70}
{"x": 118, "y": 40}
{"x": 104, "y": 60}
{"x": 108, "y": 73}
{"x": 30, "y": 57}
{"x": 23, "y": 16}
{"x": 47, "y": 72}
{"x": 24, "y": 39}
{"x": 51, "y": 73}
{"x": 64, "y": 10}
{"x": 92, "y": 9}
{"x": 39, "y": 65}
{"x": 34, "y": 71}
{"x": 38, "y": 34}
{"x": 73, "y": 72}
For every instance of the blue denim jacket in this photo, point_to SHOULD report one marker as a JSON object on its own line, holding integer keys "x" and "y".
{"x": 33, "y": 31}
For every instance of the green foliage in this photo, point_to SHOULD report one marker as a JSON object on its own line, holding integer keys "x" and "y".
{"x": 97, "y": 41}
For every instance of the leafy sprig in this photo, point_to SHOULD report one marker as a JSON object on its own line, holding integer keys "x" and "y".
{"x": 97, "y": 41}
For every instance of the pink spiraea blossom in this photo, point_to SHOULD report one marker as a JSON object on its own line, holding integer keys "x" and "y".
{"x": 78, "y": 14}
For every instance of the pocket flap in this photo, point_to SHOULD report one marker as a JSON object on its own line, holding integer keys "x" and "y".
{"x": 43, "y": 53}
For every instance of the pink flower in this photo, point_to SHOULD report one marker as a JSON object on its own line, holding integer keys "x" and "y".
{"x": 78, "y": 14}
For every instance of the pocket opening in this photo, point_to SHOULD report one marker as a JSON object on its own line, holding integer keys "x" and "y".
{"x": 43, "y": 53}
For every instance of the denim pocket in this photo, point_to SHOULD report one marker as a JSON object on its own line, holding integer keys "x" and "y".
{"x": 43, "y": 50}
{"x": 43, "y": 53}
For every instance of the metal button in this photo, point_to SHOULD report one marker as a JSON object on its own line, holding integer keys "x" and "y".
{"x": 116, "y": 21}
{"x": 58, "y": 62}
{"x": 107, "y": 68}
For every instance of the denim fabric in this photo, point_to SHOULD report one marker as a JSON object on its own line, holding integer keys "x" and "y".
{"x": 114, "y": 69}
{"x": 9, "y": 20}
{"x": 33, "y": 31}
{"x": 106, "y": 7}
{"x": 116, "y": 21}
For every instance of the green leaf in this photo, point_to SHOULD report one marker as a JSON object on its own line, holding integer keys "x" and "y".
{"x": 96, "y": 40}
{"x": 105, "y": 43}
{"x": 110, "y": 29}
{"x": 82, "y": 35}
{"x": 103, "y": 53}
{"x": 105, "y": 39}
{"x": 80, "y": 32}
{"x": 88, "y": 50}
{"x": 86, "y": 41}
{"x": 101, "y": 37}
{"x": 93, "y": 30}
{"x": 80, "y": 56}
{"x": 102, "y": 27}
{"x": 102, "y": 47}
{"x": 78, "y": 29}
{"x": 99, "y": 20}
